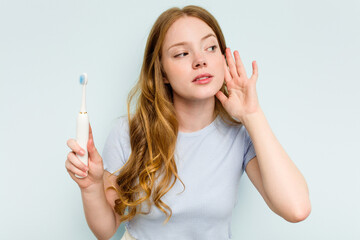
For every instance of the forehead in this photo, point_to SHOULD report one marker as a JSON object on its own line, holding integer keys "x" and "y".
{"x": 186, "y": 29}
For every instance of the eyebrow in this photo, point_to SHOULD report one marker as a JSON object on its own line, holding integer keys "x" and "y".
{"x": 184, "y": 43}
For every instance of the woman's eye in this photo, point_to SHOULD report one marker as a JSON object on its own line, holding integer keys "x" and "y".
{"x": 180, "y": 54}
{"x": 214, "y": 47}
{"x": 185, "y": 53}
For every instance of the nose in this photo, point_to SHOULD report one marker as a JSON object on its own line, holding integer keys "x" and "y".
{"x": 199, "y": 61}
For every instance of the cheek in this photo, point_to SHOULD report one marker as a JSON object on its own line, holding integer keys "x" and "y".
{"x": 220, "y": 69}
{"x": 179, "y": 73}
{"x": 171, "y": 69}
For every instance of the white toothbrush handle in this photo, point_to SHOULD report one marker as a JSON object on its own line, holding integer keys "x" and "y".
{"x": 82, "y": 136}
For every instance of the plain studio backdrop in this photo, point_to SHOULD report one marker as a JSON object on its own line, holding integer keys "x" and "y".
{"x": 308, "y": 87}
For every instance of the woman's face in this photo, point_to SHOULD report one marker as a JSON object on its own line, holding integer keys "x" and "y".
{"x": 190, "y": 49}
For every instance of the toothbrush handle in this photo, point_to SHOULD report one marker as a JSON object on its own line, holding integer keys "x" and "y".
{"x": 82, "y": 137}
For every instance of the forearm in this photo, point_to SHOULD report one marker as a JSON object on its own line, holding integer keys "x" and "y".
{"x": 98, "y": 213}
{"x": 284, "y": 185}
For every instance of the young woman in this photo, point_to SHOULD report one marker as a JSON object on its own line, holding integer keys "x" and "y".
{"x": 175, "y": 164}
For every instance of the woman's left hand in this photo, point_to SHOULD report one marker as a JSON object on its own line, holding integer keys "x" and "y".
{"x": 242, "y": 98}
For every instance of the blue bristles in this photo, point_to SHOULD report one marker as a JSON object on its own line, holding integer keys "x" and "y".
{"x": 82, "y": 79}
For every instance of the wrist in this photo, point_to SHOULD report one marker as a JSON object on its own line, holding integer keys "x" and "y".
{"x": 248, "y": 118}
{"x": 93, "y": 188}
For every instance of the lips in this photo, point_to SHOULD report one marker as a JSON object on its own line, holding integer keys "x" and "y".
{"x": 201, "y": 76}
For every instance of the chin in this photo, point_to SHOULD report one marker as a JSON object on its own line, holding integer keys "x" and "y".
{"x": 205, "y": 95}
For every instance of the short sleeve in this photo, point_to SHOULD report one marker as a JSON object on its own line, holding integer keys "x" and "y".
{"x": 249, "y": 151}
{"x": 116, "y": 146}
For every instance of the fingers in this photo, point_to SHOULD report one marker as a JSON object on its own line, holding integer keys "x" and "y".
{"x": 90, "y": 133}
{"x": 73, "y": 163}
{"x": 93, "y": 153}
{"x": 74, "y": 160}
{"x": 74, "y": 146}
{"x": 231, "y": 63}
{"x": 221, "y": 96}
{"x": 239, "y": 65}
{"x": 255, "y": 70}
{"x": 75, "y": 166}
{"x": 90, "y": 145}
{"x": 227, "y": 74}
{"x": 237, "y": 68}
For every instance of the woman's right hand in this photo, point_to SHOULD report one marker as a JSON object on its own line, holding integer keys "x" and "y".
{"x": 93, "y": 174}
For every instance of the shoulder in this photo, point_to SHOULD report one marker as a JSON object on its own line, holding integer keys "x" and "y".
{"x": 121, "y": 122}
{"x": 117, "y": 145}
{"x": 119, "y": 132}
{"x": 119, "y": 127}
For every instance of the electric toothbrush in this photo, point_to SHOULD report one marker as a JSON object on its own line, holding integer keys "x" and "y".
{"x": 82, "y": 125}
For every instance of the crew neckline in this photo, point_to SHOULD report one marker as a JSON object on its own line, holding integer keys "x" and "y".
{"x": 204, "y": 130}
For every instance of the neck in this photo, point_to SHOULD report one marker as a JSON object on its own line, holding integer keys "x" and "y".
{"x": 194, "y": 115}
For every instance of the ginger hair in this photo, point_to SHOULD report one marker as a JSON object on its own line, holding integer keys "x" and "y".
{"x": 153, "y": 128}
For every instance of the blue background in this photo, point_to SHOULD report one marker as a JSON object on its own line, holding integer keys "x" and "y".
{"x": 308, "y": 57}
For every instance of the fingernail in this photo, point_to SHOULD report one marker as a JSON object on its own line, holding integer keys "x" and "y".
{"x": 82, "y": 152}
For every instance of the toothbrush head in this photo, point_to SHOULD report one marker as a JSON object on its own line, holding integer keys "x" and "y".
{"x": 83, "y": 79}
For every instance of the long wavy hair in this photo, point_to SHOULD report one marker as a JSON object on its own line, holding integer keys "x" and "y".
{"x": 153, "y": 128}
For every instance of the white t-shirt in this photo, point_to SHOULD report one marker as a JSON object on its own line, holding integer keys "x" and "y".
{"x": 210, "y": 163}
